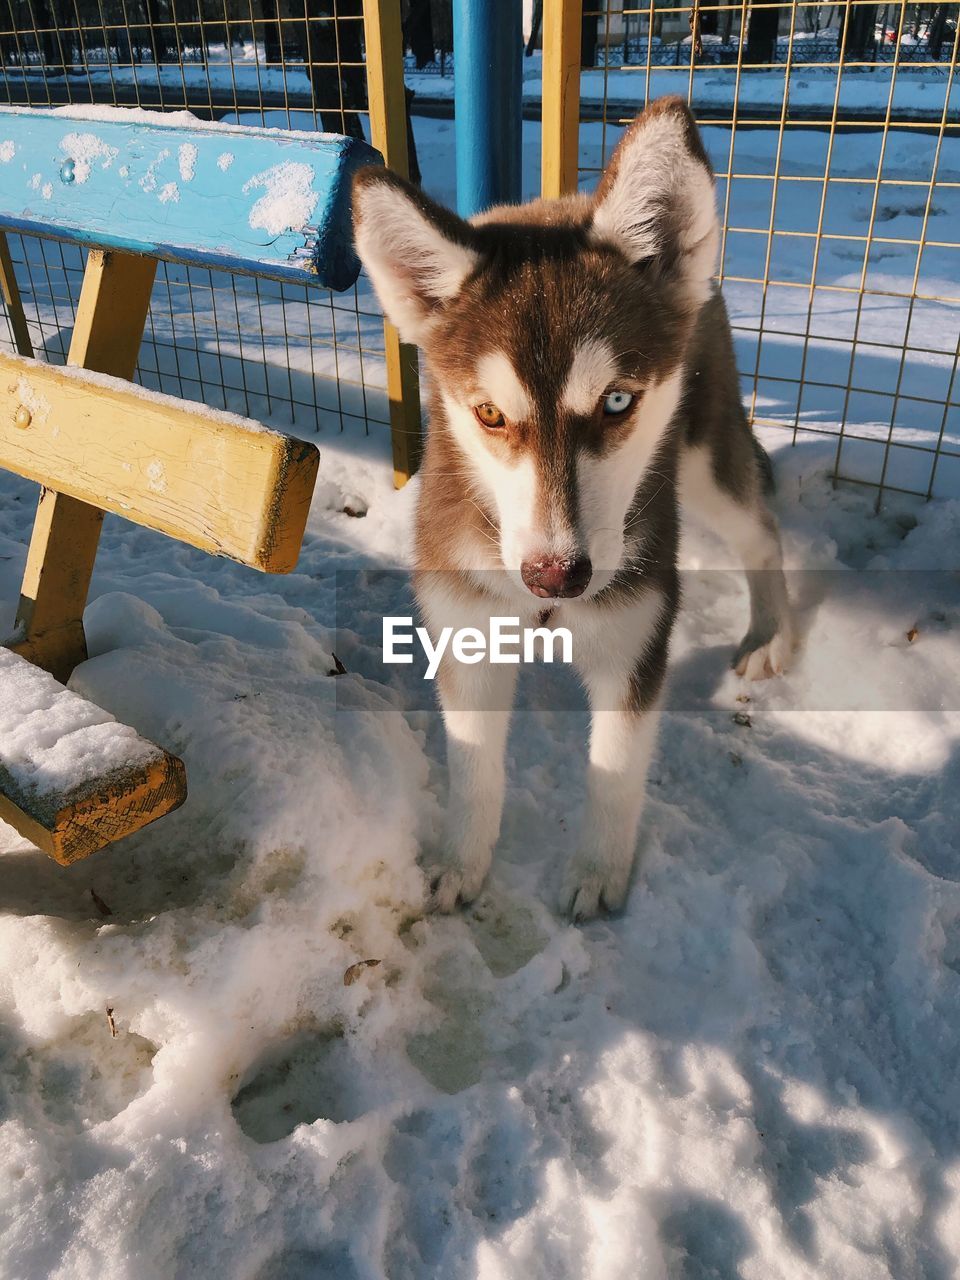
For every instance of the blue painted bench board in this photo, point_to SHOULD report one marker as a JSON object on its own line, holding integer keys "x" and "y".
{"x": 269, "y": 202}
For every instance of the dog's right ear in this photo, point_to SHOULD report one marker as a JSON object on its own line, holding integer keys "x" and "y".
{"x": 656, "y": 200}
{"x": 417, "y": 253}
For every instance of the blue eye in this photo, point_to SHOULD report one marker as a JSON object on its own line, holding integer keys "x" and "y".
{"x": 617, "y": 403}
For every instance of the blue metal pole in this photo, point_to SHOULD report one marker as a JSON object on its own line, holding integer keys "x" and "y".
{"x": 487, "y": 70}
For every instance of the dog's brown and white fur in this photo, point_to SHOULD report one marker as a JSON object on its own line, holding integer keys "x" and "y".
{"x": 582, "y": 384}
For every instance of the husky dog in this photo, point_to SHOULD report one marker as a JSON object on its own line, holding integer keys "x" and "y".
{"x": 582, "y": 386}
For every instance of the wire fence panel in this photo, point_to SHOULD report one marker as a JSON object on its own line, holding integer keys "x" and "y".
{"x": 833, "y": 130}
{"x": 293, "y": 356}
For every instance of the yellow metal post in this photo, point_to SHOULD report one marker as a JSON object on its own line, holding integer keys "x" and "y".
{"x": 111, "y": 315}
{"x": 561, "y": 96}
{"x": 388, "y": 133}
{"x": 11, "y": 298}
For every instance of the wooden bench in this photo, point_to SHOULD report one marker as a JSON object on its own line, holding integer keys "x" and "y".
{"x": 136, "y": 188}
{"x": 73, "y": 779}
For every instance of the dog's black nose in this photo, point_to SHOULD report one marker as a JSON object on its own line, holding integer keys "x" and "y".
{"x": 548, "y": 577}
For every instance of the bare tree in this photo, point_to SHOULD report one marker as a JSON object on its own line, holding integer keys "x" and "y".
{"x": 709, "y": 18}
{"x": 334, "y": 42}
{"x": 337, "y": 72}
{"x": 588, "y": 39}
{"x": 535, "y": 24}
{"x": 859, "y": 22}
{"x": 703, "y": 22}
{"x": 48, "y": 46}
{"x": 270, "y": 29}
{"x": 418, "y": 32}
{"x": 762, "y": 31}
{"x": 937, "y": 31}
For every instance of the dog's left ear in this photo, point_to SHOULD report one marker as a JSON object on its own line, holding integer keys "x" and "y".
{"x": 656, "y": 199}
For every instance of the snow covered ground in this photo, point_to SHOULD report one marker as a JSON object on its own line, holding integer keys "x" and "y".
{"x": 751, "y": 1072}
{"x": 919, "y": 92}
{"x": 911, "y": 91}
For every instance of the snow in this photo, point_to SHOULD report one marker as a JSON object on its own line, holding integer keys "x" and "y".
{"x": 52, "y": 740}
{"x": 224, "y": 161}
{"x": 751, "y": 1072}
{"x": 810, "y": 88}
{"x": 28, "y": 396}
{"x": 148, "y": 182}
{"x": 157, "y": 476}
{"x": 101, "y": 113}
{"x": 8, "y": 149}
{"x": 85, "y": 150}
{"x": 187, "y": 159}
{"x": 169, "y": 191}
{"x": 289, "y": 200}
{"x": 917, "y": 90}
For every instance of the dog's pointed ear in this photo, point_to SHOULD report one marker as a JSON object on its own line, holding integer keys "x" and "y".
{"x": 416, "y": 253}
{"x": 656, "y": 199}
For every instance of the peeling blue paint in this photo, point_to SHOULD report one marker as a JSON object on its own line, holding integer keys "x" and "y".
{"x": 100, "y": 182}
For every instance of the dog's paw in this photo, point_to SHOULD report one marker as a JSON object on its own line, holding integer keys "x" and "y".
{"x": 454, "y": 884}
{"x": 588, "y": 890}
{"x": 760, "y": 662}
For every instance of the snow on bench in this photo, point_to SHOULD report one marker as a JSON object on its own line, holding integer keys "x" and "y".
{"x": 72, "y": 778}
{"x": 269, "y": 202}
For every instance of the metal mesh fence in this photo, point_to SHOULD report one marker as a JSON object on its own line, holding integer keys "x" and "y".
{"x": 834, "y": 134}
{"x": 833, "y": 130}
{"x": 276, "y": 352}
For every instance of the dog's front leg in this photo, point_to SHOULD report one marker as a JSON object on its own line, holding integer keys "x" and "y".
{"x": 476, "y": 702}
{"x": 625, "y": 686}
{"x": 621, "y": 743}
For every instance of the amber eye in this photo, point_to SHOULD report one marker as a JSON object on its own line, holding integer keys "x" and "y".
{"x": 488, "y": 415}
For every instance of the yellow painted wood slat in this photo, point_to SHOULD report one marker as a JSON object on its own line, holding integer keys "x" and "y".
{"x": 386, "y": 95}
{"x": 108, "y": 328}
{"x": 56, "y": 579}
{"x": 12, "y": 300}
{"x": 112, "y": 312}
{"x": 220, "y": 483}
{"x": 561, "y": 97}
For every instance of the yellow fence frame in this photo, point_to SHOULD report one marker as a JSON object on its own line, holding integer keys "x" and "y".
{"x": 561, "y": 97}
{"x": 863, "y": 453}
{"x": 387, "y": 100}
